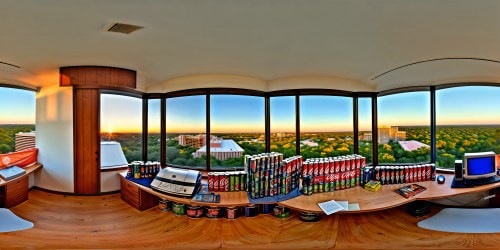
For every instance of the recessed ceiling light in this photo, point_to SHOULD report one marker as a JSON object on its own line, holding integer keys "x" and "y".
{"x": 124, "y": 28}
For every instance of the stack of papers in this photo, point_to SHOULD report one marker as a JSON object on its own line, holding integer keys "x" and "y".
{"x": 330, "y": 207}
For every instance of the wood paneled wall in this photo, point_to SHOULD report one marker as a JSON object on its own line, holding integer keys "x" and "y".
{"x": 97, "y": 75}
{"x": 88, "y": 82}
{"x": 87, "y": 141}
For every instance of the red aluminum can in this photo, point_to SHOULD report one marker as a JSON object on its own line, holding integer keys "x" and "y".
{"x": 342, "y": 165}
{"x": 315, "y": 168}
{"x": 310, "y": 169}
{"x": 347, "y": 164}
{"x": 304, "y": 169}
{"x": 353, "y": 162}
{"x": 216, "y": 182}
{"x": 321, "y": 168}
{"x": 428, "y": 172}
{"x": 407, "y": 174}
{"x": 337, "y": 165}
{"x": 363, "y": 161}
{"x": 226, "y": 182}
{"x": 342, "y": 180}
{"x": 210, "y": 181}
{"x": 358, "y": 161}
{"x": 332, "y": 166}
{"x": 419, "y": 173}
{"x": 289, "y": 168}
{"x": 327, "y": 167}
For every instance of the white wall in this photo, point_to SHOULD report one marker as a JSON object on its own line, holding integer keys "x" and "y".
{"x": 54, "y": 138}
{"x": 110, "y": 181}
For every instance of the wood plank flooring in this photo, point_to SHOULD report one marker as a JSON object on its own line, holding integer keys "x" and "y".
{"x": 108, "y": 222}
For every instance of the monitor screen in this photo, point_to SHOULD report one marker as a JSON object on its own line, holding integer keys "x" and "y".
{"x": 480, "y": 166}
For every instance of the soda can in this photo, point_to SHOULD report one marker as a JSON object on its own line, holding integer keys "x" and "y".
{"x": 243, "y": 183}
{"x": 382, "y": 174}
{"x": 289, "y": 168}
{"x": 310, "y": 169}
{"x": 304, "y": 168}
{"x": 358, "y": 161}
{"x": 216, "y": 182}
{"x": 407, "y": 174}
{"x": 321, "y": 168}
{"x": 236, "y": 181}
{"x": 427, "y": 172}
{"x": 231, "y": 181}
{"x": 402, "y": 174}
{"x": 418, "y": 171}
{"x": 329, "y": 167}
{"x": 433, "y": 172}
{"x": 353, "y": 177}
{"x": 210, "y": 181}
{"x": 342, "y": 165}
{"x": 315, "y": 168}
{"x": 327, "y": 183}
{"x": 396, "y": 175}
{"x": 357, "y": 176}
{"x": 342, "y": 180}
{"x": 348, "y": 164}
{"x": 226, "y": 182}
{"x": 377, "y": 174}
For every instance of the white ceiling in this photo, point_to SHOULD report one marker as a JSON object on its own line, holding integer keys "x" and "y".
{"x": 264, "y": 39}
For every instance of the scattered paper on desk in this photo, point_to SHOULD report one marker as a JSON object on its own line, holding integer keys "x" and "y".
{"x": 330, "y": 207}
{"x": 353, "y": 207}
{"x": 344, "y": 204}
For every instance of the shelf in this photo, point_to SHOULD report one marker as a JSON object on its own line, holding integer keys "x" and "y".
{"x": 368, "y": 201}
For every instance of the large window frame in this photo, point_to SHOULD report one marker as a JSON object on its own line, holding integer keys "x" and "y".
{"x": 297, "y": 93}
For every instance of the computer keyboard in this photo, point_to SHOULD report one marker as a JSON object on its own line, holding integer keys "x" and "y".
{"x": 484, "y": 181}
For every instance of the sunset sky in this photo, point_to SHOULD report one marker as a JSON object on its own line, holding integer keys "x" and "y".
{"x": 17, "y": 106}
{"x": 234, "y": 113}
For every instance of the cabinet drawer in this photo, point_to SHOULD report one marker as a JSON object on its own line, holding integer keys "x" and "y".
{"x": 18, "y": 183}
{"x": 16, "y": 199}
{"x": 129, "y": 187}
{"x": 131, "y": 200}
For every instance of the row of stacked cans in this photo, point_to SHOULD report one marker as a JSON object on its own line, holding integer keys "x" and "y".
{"x": 227, "y": 181}
{"x": 405, "y": 174}
{"x": 269, "y": 174}
{"x": 333, "y": 173}
{"x": 139, "y": 169}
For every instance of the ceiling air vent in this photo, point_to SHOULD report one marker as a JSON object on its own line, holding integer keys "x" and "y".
{"x": 124, "y": 28}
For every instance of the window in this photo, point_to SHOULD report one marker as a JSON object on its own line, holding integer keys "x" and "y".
{"x": 326, "y": 126}
{"x": 404, "y": 127}
{"x": 283, "y": 125}
{"x": 237, "y": 128}
{"x": 467, "y": 120}
{"x": 365, "y": 147}
{"x": 17, "y": 116}
{"x": 121, "y": 121}
{"x": 154, "y": 124}
{"x": 186, "y": 131}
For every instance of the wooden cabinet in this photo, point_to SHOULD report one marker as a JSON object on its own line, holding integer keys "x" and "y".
{"x": 136, "y": 197}
{"x": 14, "y": 192}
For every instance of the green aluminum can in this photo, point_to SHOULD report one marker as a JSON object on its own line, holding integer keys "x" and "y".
{"x": 231, "y": 182}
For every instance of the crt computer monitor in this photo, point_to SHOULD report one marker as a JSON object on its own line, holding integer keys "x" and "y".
{"x": 479, "y": 165}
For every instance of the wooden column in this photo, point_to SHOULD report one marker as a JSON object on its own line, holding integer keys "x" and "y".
{"x": 87, "y": 82}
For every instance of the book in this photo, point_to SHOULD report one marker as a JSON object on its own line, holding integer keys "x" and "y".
{"x": 11, "y": 172}
{"x": 410, "y": 190}
{"x": 373, "y": 186}
{"x": 330, "y": 207}
{"x": 210, "y": 198}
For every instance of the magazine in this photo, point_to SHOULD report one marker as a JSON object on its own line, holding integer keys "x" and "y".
{"x": 410, "y": 190}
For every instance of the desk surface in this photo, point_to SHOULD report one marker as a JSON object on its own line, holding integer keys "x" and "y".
{"x": 384, "y": 198}
{"x": 368, "y": 201}
{"x": 29, "y": 170}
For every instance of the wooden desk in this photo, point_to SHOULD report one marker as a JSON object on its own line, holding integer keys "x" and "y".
{"x": 382, "y": 199}
{"x": 227, "y": 199}
{"x": 14, "y": 192}
{"x": 368, "y": 201}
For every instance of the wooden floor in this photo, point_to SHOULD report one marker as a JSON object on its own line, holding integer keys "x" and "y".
{"x": 108, "y": 222}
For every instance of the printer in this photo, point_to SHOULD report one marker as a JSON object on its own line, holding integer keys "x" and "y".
{"x": 179, "y": 182}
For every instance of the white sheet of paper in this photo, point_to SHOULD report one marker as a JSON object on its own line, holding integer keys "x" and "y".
{"x": 354, "y": 206}
{"x": 344, "y": 204}
{"x": 330, "y": 207}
